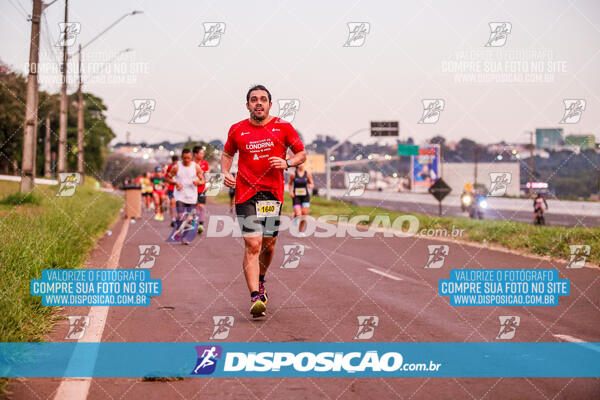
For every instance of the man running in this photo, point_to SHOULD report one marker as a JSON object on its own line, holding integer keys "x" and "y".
{"x": 186, "y": 176}
{"x": 171, "y": 189}
{"x": 201, "y": 204}
{"x": 262, "y": 141}
{"x": 158, "y": 182}
{"x": 147, "y": 189}
{"x": 300, "y": 186}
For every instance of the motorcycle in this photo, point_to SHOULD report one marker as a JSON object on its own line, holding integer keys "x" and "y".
{"x": 477, "y": 210}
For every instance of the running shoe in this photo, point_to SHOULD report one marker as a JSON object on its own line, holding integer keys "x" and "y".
{"x": 156, "y": 217}
{"x": 258, "y": 307}
{"x": 200, "y": 229}
{"x": 262, "y": 292}
{"x": 185, "y": 242}
{"x": 161, "y": 218}
{"x": 172, "y": 223}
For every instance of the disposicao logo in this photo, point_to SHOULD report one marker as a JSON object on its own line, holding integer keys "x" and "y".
{"x": 207, "y": 359}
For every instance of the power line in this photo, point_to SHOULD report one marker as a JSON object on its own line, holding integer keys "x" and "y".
{"x": 19, "y": 9}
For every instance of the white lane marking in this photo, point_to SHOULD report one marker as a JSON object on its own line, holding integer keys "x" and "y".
{"x": 384, "y": 274}
{"x": 78, "y": 388}
{"x": 568, "y": 338}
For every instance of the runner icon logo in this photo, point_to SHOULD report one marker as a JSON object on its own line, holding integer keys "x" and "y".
{"x": 499, "y": 183}
{"x": 437, "y": 255}
{"x": 499, "y": 32}
{"x": 579, "y": 253}
{"x": 573, "y": 110}
{"x": 142, "y": 109}
{"x": 292, "y": 255}
{"x": 288, "y": 109}
{"x": 214, "y": 183}
{"x": 212, "y": 34}
{"x": 508, "y": 326}
{"x": 71, "y": 30}
{"x": 357, "y": 183}
{"x": 366, "y": 326}
{"x": 223, "y": 325}
{"x": 68, "y": 182}
{"x": 77, "y": 325}
{"x": 207, "y": 359}
{"x": 357, "y": 33}
{"x": 432, "y": 108}
{"x": 148, "y": 254}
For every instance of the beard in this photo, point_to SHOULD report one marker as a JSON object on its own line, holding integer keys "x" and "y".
{"x": 259, "y": 118}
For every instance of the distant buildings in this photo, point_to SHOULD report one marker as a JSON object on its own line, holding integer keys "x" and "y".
{"x": 584, "y": 142}
{"x": 548, "y": 138}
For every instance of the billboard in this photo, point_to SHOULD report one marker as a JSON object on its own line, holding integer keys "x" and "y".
{"x": 425, "y": 167}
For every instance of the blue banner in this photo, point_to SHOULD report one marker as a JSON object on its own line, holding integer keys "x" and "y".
{"x": 300, "y": 359}
{"x": 504, "y": 287}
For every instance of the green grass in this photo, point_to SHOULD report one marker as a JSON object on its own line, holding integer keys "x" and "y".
{"x": 550, "y": 241}
{"x": 15, "y": 199}
{"x": 42, "y": 232}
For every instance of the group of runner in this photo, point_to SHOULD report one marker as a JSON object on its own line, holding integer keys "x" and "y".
{"x": 179, "y": 186}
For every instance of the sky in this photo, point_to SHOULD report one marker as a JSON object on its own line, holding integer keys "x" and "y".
{"x": 412, "y": 51}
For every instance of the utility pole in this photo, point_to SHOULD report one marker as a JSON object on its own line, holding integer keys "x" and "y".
{"x": 475, "y": 159}
{"x": 80, "y": 124}
{"x": 62, "y": 130}
{"x": 29, "y": 134}
{"x": 531, "y": 166}
{"x": 47, "y": 149}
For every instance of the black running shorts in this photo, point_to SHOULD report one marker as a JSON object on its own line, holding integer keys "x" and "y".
{"x": 250, "y": 222}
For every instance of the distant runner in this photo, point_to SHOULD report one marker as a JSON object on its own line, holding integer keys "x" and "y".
{"x": 170, "y": 191}
{"x": 186, "y": 176}
{"x": 147, "y": 190}
{"x": 158, "y": 182}
{"x": 201, "y": 204}
{"x": 262, "y": 142}
{"x": 300, "y": 186}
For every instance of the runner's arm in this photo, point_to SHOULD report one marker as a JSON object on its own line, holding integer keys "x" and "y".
{"x": 169, "y": 177}
{"x": 291, "y": 184}
{"x": 226, "y": 162}
{"x": 295, "y": 160}
{"x": 200, "y": 174}
{"x": 311, "y": 183}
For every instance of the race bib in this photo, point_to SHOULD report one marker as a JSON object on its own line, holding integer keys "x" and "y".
{"x": 300, "y": 191}
{"x": 267, "y": 208}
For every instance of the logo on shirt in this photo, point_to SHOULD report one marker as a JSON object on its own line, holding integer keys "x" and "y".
{"x": 244, "y": 133}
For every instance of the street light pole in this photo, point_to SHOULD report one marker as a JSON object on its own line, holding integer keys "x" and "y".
{"x": 29, "y": 134}
{"x": 62, "y": 129}
{"x": 80, "y": 124}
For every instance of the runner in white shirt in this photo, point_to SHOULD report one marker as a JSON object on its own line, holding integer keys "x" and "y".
{"x": 186, "y": 176}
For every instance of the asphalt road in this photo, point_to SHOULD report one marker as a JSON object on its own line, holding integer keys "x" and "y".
{"x": 454, "y": 210}
{"x": 337, "y": 280}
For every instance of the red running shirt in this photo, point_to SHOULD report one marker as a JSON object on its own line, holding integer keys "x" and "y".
{"x": 256, "y": 144}
{"x": 204, "y": 167}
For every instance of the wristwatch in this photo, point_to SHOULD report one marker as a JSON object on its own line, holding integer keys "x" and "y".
{"x": 289, "y": 163}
